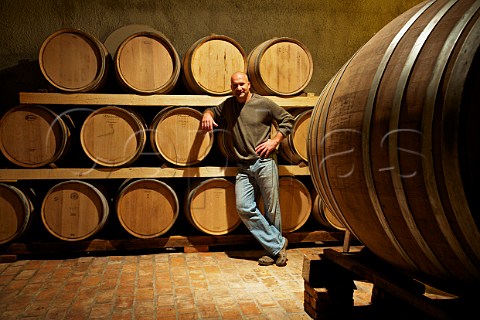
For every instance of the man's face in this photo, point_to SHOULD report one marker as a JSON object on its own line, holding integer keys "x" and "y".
{"x": 240, "y": 86}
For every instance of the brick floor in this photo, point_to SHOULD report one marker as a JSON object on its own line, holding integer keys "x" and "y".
{"x": 167, "y": 285}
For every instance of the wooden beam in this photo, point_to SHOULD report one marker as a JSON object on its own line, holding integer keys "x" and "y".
{"x": 59, "y": 247}
{"x": 7, "y": 175}
{"x": 133, "y": 100}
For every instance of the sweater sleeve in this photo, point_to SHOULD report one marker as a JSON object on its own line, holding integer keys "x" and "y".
{"x": 218, "y": 113}
{"x": 283, "y": 118}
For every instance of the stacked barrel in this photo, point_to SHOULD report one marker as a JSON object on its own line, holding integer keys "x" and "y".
{"x": 141, "y": 60}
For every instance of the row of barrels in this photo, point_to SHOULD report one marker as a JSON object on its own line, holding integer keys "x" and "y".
{"x": 34, "y": 136}
{"x": 144, "y": 61}
{"x": 74, "y": 210}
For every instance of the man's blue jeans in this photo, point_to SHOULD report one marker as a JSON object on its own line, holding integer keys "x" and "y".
{"x": 261, "y": 176}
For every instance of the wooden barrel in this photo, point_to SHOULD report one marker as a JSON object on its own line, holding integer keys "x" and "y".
{"x": 116, "y": 37}
{"x": 209, "y": 63}
{"x": 146, "y": 62}
{"x": 33, "y": 136}
{"x": 176, "y": 136}
{"x": 225, "y": 143}
{"x": 294, "y": 147}
{"x": 393, "y": 146}
{"x": 209, "y": 206}
{"x": 113, "y": 136}
{"x": 147, "y": 208}
{"x": 280, "y": 66}
{"x": 16, "y": 210}
{"x": 323, "y": 215}
{"x": 74, "y": 210}
{"x": 74, "y": 61}
{"x": 295, "y": 203}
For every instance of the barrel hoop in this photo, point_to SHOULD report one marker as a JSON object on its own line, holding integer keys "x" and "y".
{"x": 450, "y": 131}
{"x": 256, "y": 85}
{"x": 322, "y": 107}
{"x": 427, "y": 142}
{"x": 300, "y": 119}
{"x": 311, "y": 147}
{"x": 225, "y": 143}
{"x": 327, "y": 191}
{"x": 367, "y": 168}
{"x": 289, "y": 149}
{"x": 393, "y": 138}
{"x": 27, "y": 208}
{"x": 66, "y": 130}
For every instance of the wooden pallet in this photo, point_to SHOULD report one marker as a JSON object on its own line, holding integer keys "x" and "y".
{"x": 194, "y": 243}
{"x": 329, "y": 286}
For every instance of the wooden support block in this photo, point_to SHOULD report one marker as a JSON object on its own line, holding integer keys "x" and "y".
{"x": 316, "y": 294}
{"x": 323, "y": 303}
{"x": 310, "y": 311}
{"x": 346, "y": 241}
{"x": 310, "y": 269}
{"x": 7, "y": 258}
{"x": 193, "y": 249}
{"x": 322, "y": 273}
{"x": 328, "y": 289}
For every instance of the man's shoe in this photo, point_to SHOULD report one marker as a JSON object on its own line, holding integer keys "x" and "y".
{"x": 266, "y": 260}
{"x": 282, "y": 255}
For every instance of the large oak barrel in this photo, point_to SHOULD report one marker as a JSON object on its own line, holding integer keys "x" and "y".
{"x": 177, "y": 137}
{"x": 209, "y": 63}
{"x": 280, "y": 66}
{"x": 209, "y": 206}
{"x": 146, "y": 62}
{"x": 393, "y": 144}
{"x": 74, "y": 61}
{"x": 295, "y": 203}
{"x": 293, "y": 148}
{"x": 16, "y": 210}
{"x": 74, "y": 210}
{"x": 113, "y": 136}
{"x": 33, "y": 136}
{"x": 147, "y": 208}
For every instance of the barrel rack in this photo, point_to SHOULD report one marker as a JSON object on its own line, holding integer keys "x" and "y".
{"x": 10, "y": 251}
{"x": 329, "y": 290}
